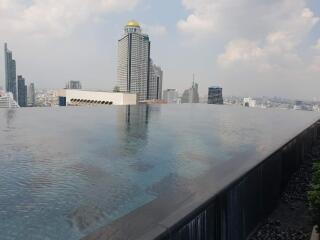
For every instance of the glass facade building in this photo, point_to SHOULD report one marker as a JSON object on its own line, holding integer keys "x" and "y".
{"x": 10, "y": 72}
{"x": 215, "y": 95}
{"x": 155, "y": 85}
{"x": 22, "y": 92}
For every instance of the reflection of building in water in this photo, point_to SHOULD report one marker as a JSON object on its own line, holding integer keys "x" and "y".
{"x": 10, "y": 114}
{"x": 133, "y": 126}
{"x": 137, "y": 118}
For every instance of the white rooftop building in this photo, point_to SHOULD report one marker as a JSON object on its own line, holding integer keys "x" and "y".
{"x": 72, "y": 97}
{"x": 249, "y": 102}
{"x": 7, "y": 101}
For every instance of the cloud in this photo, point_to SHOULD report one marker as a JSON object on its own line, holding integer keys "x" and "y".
{"x": 265, "y": 43}
{"x": 54, "y": 17}
{"x": 317, "y": 46}
{"x": 155, "y": 30}
{"x": 315, "y": 66}
{"x": 240, "y": 50}
{"x": 263, "y": 34}
{"x": 245, "y": 18}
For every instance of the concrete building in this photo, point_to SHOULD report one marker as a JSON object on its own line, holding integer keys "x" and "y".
{"x": 10, "y": 72}
{"x": 249, "y": 102}
{"x": 215, "y": 95}
{"x": 22, "y": 92}
{"x": 155, "y": 84}
{"x": 191, "y": 95}
{"x": 31, "y": 95}
{"x": 70, "y": 97}
{"x": 134, "y": 61}
{"x": 170, "y": 96}
{"x": 74, "y": 85}
{"x": 7, "y": 101}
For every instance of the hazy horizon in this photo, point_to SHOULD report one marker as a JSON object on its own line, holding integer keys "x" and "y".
{"x": 248, "y": 47}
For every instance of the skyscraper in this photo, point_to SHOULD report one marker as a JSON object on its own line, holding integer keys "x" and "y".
{"x": 22, "y": 92}
{"x": 10, "y": 72}
{"x": 73, "y": 85}
{"x": 215, "y": 95}
{"x": 134, "y": 61}
{"x": 191, "y": 95}
{"x": 155, "y": 84}
{"x": 31, "y": 95}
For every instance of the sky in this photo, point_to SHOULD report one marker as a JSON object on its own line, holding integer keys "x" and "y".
{"x": 248, "y": 47}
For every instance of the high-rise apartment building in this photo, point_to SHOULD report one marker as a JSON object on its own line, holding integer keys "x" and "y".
{"x": 155, "y": 84}
{"x": 22, "y": 92}
{"x": 31, "y": 95}
{"x": 134, "y": 61}
{"x": 74, "y": 85}
{"x": 215, "y": 95}
{"x": 10, "y": 72}
{"x": 170, "y": 96}
{"x": 191, "y": 95}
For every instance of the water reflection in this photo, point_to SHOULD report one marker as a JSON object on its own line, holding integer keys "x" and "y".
{"x": 133, "y": 129}
{"x": 10, "y": 116}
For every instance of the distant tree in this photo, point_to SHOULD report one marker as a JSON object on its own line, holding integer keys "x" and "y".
{"x": 116, "y": 89}
{"x": 314, "y": 194}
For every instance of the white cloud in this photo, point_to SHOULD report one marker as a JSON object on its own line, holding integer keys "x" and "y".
{"x": 155, "y": 30}
{"x": 317, "y": 46}
{"x": 263, "y": 34}
{"x": 196, "y": 24}
{"x": 245, "y": 18}
{"x": 315, "y": 66}
{"x": 265, "y": 43}
{"x": 54, "y": 17}
{"x": 240, "y": 50}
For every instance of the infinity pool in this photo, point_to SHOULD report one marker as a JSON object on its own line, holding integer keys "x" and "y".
{"x": 67, "y": 172}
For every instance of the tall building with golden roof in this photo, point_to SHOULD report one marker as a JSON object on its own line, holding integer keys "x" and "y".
{"x": 134, "y": 61}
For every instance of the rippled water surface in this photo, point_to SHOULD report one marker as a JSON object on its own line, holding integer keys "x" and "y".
{"x": 65, "y": 172}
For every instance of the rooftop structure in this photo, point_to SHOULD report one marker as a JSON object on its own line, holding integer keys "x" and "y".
{"x": 72, "y": 97}
{"x": 7, "y": 101}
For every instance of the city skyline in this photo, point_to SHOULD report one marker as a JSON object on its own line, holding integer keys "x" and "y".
{"x": 264, "y": 55}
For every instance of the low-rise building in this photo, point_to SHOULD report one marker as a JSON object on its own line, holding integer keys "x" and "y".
{"x": 7, "y": 100}
{"x": 249, "y": 102}
{"x": 70, "y": 97}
